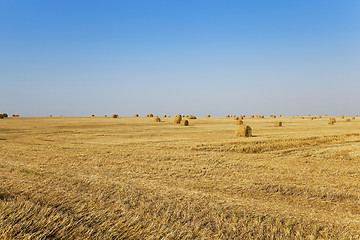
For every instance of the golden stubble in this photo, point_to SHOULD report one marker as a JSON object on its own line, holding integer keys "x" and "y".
{"x": 126, "y": 177}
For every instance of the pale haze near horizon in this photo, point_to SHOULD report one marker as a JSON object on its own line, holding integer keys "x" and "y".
{"x": 188, "y": 57}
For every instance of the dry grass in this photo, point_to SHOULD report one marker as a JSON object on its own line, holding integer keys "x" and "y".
{"x": 130, "y": 178}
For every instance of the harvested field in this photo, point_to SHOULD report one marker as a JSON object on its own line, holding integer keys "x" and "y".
{"x": 133, "y": 178}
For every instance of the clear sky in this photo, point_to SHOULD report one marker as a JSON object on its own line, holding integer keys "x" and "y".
{"x": 82, "y": 57}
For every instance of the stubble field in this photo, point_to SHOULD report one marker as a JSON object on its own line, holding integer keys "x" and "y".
{"x": 133, "y": 178}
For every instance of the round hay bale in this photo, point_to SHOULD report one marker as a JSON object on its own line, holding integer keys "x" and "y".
{"x": 236, "y": 118}
{"x": 239, "y": 122}
{"x": 92, "y": 115}
{"x": 191, "y": 117}
{"x": 114, "y": 116}
{"x": 251, "y": 116}
{"x": 136, "y": 115}
{"x": 208, "y": 115}
{"x": 184, "y": 122}
{"x": 105, "y": 115}
{"x": 353, "y": 118}
{"x": 227, "y": 116}
{"x": 332, "y": 121}
{"x": 1, "y": 116}
{"x": 157, "y": 119}
{"x": 50, "y": 115}
{"x": 348, "y": 120}
{"x": 164, "y": 115}
{"x": 177, "y": 120}
{"x": 342, "y": 116}
{"x": 243, "y": 131}
{"x": 4, "y": 115}
{"x": 277, "y": 124}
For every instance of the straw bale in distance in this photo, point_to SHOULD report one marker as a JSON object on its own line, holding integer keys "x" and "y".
{"x": 177, "y": 120}
{"x": 208, "y": 115}
{"x": 277, "y": 124}
{"x": 164, "y": 115}
{"x": 157, "y": 119}
{"x": 92, "y": 115}
{"x": 136, "y": 115}
{"x": 191, "y": 117}
{"x": 105, "y": 115}
{"x": 332, "y": 121}
{"x": 4, "y": 115}
{"x": 353, "y": 118}
{"x": 184, "y": 122}
{"x": 348, "y": 120}
{"x": 243, "y": 131}
{"x": 239, "y": 122}
{"x": 114, "y": 116}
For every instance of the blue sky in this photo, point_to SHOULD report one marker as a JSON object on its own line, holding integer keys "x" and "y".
{"x": 167, "y": 57}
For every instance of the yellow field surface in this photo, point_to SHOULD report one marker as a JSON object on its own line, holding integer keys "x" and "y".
{"x": 134, "y": 178}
